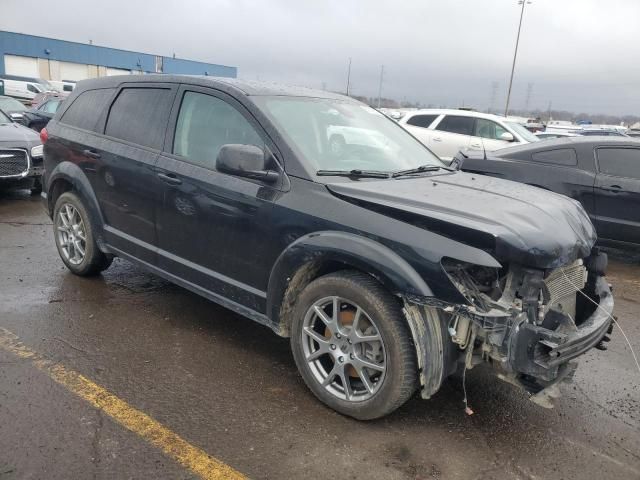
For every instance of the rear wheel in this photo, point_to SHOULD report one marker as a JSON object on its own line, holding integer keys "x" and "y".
{"x": 73, "y": 233}
{"x": 352, "y": 345}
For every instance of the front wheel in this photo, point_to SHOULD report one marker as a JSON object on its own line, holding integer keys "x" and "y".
{"x": 352, "y": 345}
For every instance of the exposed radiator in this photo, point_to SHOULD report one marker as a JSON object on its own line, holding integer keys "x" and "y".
{"x": 562, "y": 285}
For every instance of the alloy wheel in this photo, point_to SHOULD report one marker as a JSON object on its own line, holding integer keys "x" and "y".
{"x": 344, "y": 349}
{"x": 71, "y": 234}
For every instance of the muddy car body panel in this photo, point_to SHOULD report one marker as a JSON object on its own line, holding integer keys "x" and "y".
{"x": 474, "y": 261}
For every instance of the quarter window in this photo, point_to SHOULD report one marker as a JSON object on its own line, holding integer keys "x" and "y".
{"x": 456, "y": 124}
{"x": 205, "y": 124}
{"x": 421, "y": 120}
{"x": 619, "y": 162}
{"x": 488, "y": 129}
{"x": 560, "y": 156}
{"x": 139, "y": 115}
{"x": 87, "y": 108}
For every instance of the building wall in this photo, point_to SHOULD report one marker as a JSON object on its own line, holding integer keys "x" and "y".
{"x": 53, "y": 54}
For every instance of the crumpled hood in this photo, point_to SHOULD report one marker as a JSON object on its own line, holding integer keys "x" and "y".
{"x": 516, "y": 222}
{"x": 16, "y": 135}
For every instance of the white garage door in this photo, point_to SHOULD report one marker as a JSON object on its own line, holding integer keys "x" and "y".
{"x": 73, "y": 71}
{"x": 21, "y": 66}
{"x": 117, "y": 71}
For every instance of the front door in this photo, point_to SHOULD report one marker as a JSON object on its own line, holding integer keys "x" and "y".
{"x": 213, "y": 228}
{"x": 486, "y": 136}
{"x": 617, "y": 194}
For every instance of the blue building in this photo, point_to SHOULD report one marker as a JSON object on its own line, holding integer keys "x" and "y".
{"x": 51, "y": 59}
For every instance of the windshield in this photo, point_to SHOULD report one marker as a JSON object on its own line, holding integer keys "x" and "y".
{"x": 4, "y": 118}
{"x": 340, "y": 135}
{"x": 11, "y": 105}
{"x": 523, "y": 132}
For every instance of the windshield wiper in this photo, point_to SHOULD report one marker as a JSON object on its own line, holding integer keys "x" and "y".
{"x": 420, "y": 169}
{"x": 353, "y": 173}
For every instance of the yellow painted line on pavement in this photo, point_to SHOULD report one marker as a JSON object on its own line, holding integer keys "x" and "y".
{"x": 174, "y": 446}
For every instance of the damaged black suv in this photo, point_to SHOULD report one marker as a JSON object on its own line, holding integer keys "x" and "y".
{"x": 320, "y": 218}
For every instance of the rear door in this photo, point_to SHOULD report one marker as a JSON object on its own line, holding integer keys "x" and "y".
{"x": 214, "y": 228}
{"x": 419, "y": 125}
{"x": 452, "y": 134}
{"x": 123, "y": 177}
{"x": 617, "y": 193}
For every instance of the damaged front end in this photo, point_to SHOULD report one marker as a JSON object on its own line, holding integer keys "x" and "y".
{"x": 529, "y": 323}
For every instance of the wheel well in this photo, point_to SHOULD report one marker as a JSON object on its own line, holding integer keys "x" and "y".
{"x": 58, "y": 187}
{"x": 303, "y": 276}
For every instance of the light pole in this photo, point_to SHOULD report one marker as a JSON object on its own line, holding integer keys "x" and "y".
{"x": 515, "y": 54}
{"x": 380, "y": 85}
{"x": 349, "y": 76}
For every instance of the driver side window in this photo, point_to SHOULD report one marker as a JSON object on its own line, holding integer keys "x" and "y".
{"x": 205, "y": 124}
{"x": 488, "y": 129}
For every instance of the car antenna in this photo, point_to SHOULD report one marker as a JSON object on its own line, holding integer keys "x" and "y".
{"x": 484, "y": 150}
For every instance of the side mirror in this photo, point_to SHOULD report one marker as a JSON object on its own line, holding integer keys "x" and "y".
{"x": 507, "y": 137}
{"x": 245, "y": 161}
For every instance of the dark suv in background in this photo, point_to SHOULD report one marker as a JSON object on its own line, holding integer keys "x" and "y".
{"x": 388, "y": 270}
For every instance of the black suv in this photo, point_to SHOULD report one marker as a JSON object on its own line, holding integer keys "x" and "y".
{"x": 319, "y": 217}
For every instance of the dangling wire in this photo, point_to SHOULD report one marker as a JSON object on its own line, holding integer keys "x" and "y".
{"x": 633, "y": 353}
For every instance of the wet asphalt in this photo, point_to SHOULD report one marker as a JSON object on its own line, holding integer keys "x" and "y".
{"x": 230, "y": 387}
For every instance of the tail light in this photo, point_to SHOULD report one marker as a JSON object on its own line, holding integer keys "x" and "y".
{"x": 44, "y": 135}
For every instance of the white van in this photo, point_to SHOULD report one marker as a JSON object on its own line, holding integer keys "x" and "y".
{"x": 62, "y": 86}
{"x": 24, "y": 88}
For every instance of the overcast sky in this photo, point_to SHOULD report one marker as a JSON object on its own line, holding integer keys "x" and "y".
{"x": 581, "y": 55}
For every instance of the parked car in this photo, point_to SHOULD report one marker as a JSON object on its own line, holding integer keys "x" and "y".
{"x": 24, "y": 88}
{"x": 446, "y": 132}
{"x": 597, "y": 132}
{"x": 20, "y": 156}
{"x": 38, "y": 117}
{"x": 12, "y": 107}
{"x": 602, "y": 173}
{"x": 387, "y": 270}
{"x": 550, "y": 134}
{"x": 62, "y": 86}
{"x": 44, "y": 96}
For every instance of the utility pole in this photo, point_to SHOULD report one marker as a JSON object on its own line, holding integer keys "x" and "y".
{"x": 528, "y": 99}
{"x": 380, "y": 85}
{"x": 515, "y": 54}
{"x": 349, "y": 76}
{"x": 494, "y": 96}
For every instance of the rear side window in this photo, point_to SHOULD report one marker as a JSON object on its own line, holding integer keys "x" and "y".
{"x": 205, "y": 124}
{"x": 619, "y": 162}
{"x": 85, "y": 111}
{"x": 561, "y": 156}
{"x": 139, "y": 115}
{"x": 421, "y": 120}
{"x": 456, "y": 124}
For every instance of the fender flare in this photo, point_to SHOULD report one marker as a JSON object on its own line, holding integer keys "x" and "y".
{"x": 73, "y": 174}
{"x": 356, "y": 251}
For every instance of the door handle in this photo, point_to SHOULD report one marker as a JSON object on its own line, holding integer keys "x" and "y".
{"x": 91, "y": 153}
{"x": 169, "y": 178}
{"x": 476, "y": 145}
{"x": 613, "y": 188}
{"x": 437, "y": 139}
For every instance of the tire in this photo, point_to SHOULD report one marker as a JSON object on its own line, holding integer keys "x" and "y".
{"x": 69, "y": 240}
{"x": 370, "y": 393}
{"x": 36, "y": 188}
